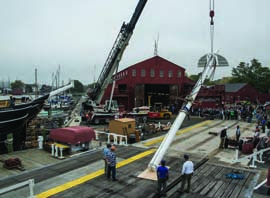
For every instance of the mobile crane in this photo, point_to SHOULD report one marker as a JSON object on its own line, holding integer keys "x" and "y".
{"x": 99, "y": 113}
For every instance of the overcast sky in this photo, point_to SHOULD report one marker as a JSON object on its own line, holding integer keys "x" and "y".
{"x": 79, "y": 34}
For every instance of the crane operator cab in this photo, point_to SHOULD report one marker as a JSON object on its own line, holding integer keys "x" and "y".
{"x": 111, "y": 106}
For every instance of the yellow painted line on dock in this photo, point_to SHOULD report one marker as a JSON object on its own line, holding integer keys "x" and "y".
{"x": 159, "y": 139}
{"x": 90, "y": 176}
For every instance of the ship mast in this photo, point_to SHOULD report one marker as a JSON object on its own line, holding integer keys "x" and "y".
{"x": 209, "y": 68}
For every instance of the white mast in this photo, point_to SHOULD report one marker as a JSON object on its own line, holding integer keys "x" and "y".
{"x": 211, "y": 60}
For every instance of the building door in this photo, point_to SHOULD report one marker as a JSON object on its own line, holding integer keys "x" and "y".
{"x": 139, "y": 95}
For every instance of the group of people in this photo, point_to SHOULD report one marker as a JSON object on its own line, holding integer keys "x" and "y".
{"x": 240, "y": 112}
{"x": 110, "y": 162}
{"x": 162, "y": 170}
{"x": 186, "y": 173}
{"x": 257, "y": 140}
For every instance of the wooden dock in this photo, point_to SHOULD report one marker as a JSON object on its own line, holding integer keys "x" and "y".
{"x": 82, "y": 176}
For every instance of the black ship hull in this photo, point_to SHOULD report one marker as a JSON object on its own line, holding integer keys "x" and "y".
{"x": 14, "y": 120}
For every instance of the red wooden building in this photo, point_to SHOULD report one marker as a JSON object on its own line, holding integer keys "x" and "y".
{"x": 237, "y": 92}
{"x": 211, "y": 96}
{"x": 155, "y": 80}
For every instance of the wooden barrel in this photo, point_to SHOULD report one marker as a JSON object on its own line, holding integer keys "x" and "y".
{"x": 247, "y": 148}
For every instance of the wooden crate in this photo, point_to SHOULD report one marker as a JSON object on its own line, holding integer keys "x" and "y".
{"x": 122, "y": 126}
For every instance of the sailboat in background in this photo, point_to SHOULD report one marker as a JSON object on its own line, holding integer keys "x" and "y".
{"x": 14, "y": 120}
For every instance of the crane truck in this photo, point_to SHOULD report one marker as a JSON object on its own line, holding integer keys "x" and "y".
{"x": 92, "y": 110}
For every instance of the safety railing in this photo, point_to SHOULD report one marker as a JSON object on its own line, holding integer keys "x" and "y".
{"x": 117, "y": 139}
{"x": 254, "y": 157}
{"x": 29, "y": 182}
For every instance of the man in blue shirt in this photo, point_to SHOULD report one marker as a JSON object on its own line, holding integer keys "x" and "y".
{"x": 105, "y": 151}
{"x": 111, "y": 157}
{"x": 162, "y": 176}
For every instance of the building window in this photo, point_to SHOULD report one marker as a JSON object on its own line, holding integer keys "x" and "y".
{"x": 161, "y": 73}
{"x": 134, "y": 73}
{"x": 170, "y": 74}
{"x": 152, "y": 73}
{"x": 179, "y": 74}
{"x": 143, "y": 73}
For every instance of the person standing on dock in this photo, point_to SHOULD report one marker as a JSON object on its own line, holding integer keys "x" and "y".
{"x": 11, "y": 101}
{"x": 263, "y": 123}
{"x": 162, "y": 176}
{"x": 237, "y": 133}
{"x": 105, "y": 152}
{"x": 111, "y": 157}
{"x": 187, "y": 173}
{"x": 223, "y": 135}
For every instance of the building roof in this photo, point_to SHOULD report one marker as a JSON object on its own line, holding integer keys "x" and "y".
{"x": 234, "y": 87}
{"x": 156, "y": 60}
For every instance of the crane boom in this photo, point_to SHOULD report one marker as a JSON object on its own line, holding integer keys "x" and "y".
{"x": 115, "y": 55}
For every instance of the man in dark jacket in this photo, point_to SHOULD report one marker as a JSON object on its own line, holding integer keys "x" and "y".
{"x": 223, "y": 135}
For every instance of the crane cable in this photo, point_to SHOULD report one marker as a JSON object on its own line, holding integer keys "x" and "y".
{"x": 212, "y": 14}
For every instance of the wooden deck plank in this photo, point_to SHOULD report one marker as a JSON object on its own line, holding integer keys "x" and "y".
{"x": 199, "y": 183}
{"x": 202, "y": 185}
{"x": 196, "y": 179}
{"x": 208, "y": 187}
{"x": 213, "y": 191}
{"x": 233, "y": 183}
{"x": 211, "y": 173}
{"x": 222, "y": 189}
{"x": 239, "y": 186}
{"x": 248, "y": 186}
{"x": 223, "y": 184}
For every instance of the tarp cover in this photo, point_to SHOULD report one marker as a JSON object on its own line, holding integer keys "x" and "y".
{"x": 73, "y": 135}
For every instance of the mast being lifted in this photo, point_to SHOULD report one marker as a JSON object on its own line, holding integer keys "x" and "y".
{"x": 211, "y": 61}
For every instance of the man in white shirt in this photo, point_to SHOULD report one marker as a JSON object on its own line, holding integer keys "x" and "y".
{"x": 187, "y": 172}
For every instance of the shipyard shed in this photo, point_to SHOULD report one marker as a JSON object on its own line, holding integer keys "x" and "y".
{"x": 154, "y": 80}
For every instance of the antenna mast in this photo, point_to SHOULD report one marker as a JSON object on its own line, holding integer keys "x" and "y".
{"x": 156, "y": 46}
{"x": 36, "y": 84}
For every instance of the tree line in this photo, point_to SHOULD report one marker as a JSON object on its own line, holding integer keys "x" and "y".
{"x": 18, "y": 84}
{"x": 252, "y": 73}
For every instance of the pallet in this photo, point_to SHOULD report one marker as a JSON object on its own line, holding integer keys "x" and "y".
{"x": 20, "y": 167}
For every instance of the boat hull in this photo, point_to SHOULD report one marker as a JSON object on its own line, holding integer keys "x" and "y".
{"x": 15, "y": 120}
